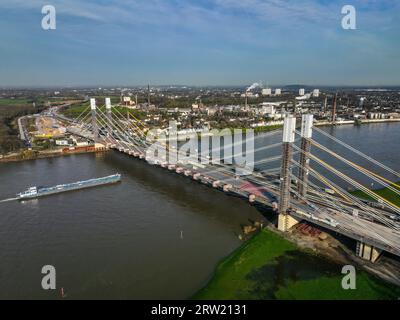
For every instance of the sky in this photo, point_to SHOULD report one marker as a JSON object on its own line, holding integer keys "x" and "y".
{"x": 199, "y": 42}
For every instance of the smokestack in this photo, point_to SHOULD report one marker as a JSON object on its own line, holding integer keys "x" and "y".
{"x": 148, "y": 94}
{"x": 326, "y": 104}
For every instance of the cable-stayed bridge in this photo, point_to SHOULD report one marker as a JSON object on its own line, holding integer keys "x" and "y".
{"x": 301, "y": 186}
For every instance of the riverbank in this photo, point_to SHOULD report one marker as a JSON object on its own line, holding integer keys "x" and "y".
{"x": 26, "y": 155}
{"x": 354, "y": 122}
{"x": 270, "y": 267}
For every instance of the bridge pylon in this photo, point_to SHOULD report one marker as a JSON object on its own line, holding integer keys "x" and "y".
{"x": 306, "y": 134}
{"x": 285, "y": 222}
{"x": 94, "y": 120}
{"x": 109, "y": 116}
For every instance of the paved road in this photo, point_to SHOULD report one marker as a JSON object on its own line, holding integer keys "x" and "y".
{"x": 23, "y": 131}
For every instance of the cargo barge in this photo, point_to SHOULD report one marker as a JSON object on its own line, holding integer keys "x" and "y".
{"x": 36, "y": 192}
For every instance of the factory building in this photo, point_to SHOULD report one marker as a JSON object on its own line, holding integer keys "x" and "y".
{"x": 266, "y": 92}
{"x": 267, "y": 109}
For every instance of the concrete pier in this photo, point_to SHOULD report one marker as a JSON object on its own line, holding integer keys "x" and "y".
{"x": 367, "y": 252}
{"x": 286, "y": 221}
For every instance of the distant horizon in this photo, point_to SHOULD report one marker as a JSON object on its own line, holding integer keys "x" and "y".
{"x": 99, "y": 87}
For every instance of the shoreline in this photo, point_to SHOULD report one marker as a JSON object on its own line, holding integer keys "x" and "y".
{"x": 353, "y": 122}
{"x": 46, "y": 154}
{"x": 19, "y": 157}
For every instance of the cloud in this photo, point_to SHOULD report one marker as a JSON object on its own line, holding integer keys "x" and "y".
{"x": 229, "y": 38}
{"x": 220, "y": 14}
{"x": 73, "y": 8}
{"x": 240, "y": 24}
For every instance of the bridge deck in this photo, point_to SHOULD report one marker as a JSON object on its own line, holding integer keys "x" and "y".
{"x": 356, "y": 228}
{"x": 359, "y": 229}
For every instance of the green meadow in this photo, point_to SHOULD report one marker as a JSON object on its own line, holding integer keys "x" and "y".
{"x": 270, "y": 267}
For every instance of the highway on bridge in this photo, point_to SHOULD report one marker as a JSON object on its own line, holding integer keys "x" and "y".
{"x": 370, "y": 225}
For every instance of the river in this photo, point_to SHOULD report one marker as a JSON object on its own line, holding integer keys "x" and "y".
{"x": 155, "y": 235}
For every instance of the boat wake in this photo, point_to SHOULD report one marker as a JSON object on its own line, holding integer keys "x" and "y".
{"x": 8, "y": 200}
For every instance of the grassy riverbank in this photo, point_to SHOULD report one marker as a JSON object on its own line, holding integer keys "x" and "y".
{"x": 268, "y": 128}
{"x": 270, "y": 267}
{"x": 10, "y": 110}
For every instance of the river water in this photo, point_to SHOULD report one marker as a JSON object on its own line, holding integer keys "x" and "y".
{"x": 155, "y": 235}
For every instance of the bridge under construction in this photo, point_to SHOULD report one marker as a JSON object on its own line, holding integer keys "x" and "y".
{"x": 298, "y": 189}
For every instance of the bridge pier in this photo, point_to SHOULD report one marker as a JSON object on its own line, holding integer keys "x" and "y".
{"x": 285, "y": 221}
{"x": 367, "y": 252}
{"x": 216, "y": 184}
{"x": 196, "y": 176}
{"x": 306, "y": 134}
{"x": 227, "y": 187}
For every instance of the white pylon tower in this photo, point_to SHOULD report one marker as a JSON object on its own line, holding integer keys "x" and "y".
{"x": 289, "y": 128}
{"x": 109, "y": 116}
{"x": 95, "y": 127}
{"x": 306, "y": 135}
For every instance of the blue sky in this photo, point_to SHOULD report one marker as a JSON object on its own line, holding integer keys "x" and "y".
{"x": 202, "y": 42}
